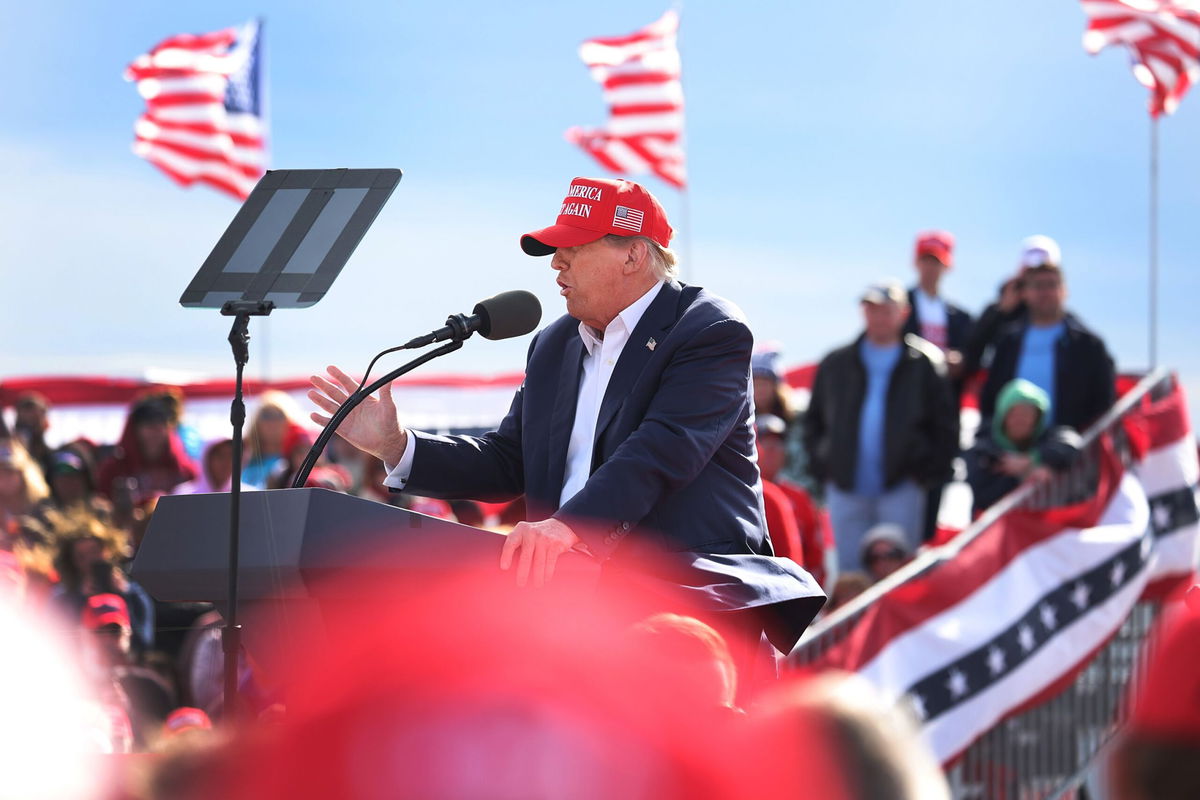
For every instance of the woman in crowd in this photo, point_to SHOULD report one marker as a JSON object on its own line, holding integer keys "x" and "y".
{"x": 150, "y": 460}
{"x": 277, "y": 415}
{"x": 23, "y": 489}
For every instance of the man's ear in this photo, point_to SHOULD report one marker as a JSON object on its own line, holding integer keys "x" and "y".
{"x": 635, "y": 257}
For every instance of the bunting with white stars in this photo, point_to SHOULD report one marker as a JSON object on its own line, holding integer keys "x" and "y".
{"x": 1015, "y": 614}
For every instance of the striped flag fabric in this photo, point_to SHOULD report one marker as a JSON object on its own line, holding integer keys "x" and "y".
{"x": 1011, "y": 618}
{"x": 204, "y": 120}
{"x": 1163, "y": 37}
{"x": 640, "y": 75}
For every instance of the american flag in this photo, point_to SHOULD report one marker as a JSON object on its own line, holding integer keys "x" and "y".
{"x": 204, "y": 120}
{"x": 628, "y": 218}
{"x": 1164, "y": 40}
{"x": 640, "y": 76}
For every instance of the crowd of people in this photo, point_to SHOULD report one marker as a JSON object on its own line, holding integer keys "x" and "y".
{"x": 852, "y": 481}
{"x": 879, "y": 438}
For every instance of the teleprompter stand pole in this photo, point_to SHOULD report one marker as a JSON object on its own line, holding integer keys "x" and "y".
{"x": 231, "y": 635}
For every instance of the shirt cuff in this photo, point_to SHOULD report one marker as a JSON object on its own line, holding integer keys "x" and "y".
{"x": 397, "y": 475}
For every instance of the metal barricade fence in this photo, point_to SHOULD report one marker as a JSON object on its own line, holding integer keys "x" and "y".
{"x": 1043, "y": 751}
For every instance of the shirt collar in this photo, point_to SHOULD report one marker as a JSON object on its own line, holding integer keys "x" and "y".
{"x": 628, "y": 319}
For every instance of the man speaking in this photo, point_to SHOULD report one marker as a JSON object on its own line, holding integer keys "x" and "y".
{"x": 633, "y": 431}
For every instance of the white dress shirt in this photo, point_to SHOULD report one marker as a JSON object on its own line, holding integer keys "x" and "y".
{"x": 600, "y": 359}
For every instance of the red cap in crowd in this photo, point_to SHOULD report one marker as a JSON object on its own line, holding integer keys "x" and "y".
{"x": 105, "y": 609}
{"x": 186, "y": 718}
{"x": 596, "y": 207}
{"x": 939, "y": 244}
{"x": 1168, "y": 702}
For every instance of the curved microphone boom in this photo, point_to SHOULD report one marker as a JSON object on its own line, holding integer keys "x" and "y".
{"x": 502, "y": 316}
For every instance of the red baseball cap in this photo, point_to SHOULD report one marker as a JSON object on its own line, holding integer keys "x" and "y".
{"x": 1167, "y": 702}
{"x": 105, "y": 609}
{"x": 939, "y": 244}
{"x": 596, "y": 207}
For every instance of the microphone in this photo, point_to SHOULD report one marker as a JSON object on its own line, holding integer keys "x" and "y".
{"x": 502, "y": 316}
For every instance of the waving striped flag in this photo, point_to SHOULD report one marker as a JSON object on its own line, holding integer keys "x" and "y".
{"x": 1163, "y": 37}
{"x": 204, "y": 119}
{"x": 640, "y": 76}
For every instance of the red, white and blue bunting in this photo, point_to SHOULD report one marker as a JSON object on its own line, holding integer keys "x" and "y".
{"x": 1009, "y": 620}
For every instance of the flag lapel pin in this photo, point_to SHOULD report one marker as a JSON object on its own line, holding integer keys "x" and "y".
{"x": 650, "y": 345}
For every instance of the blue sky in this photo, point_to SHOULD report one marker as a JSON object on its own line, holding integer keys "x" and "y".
{"x": 821, "y": 137}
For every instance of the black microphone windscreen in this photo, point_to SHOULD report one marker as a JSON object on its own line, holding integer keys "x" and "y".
{"x": 509, "y": 314}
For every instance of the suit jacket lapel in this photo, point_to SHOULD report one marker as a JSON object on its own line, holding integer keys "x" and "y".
{"x": 659, "y": 317}
{"x": 563, "y": 417}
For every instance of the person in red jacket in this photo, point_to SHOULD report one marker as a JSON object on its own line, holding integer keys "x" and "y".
{"x": 812, "y": 529}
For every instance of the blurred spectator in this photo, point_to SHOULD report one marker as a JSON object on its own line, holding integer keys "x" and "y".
{"x": 23, "y": 489}
{"x": 1018, "y": 443}
{"x": 171, "y": 398}
{"x": 1009, "y": 308}
{"x": 30, "y": 426}
{"x": 834, "y": 737}
{"x": 934, "y": 318}
{"x": 1158, "y": 756}
{"x": 149, "y": 461}
{"x": 73, "y": 483}
{"x": 885, "y": 549}
{"x": 185, "y": 720}
{"x": 882, "y": 426}
{"x": 216, "y": 470}
{"x": 277, "y": 415}
{"x": 782, "y": 524}
{"x": 1052, "y": 349}
{"x": 297, "y": 442}
{"x": 812, "y": 528}
{"x": 689, "y": 662}
{"x": 773, "y": 395}
{"x": 90, "y": 554}
{"x": 147, "y": 697}
{"x": 849, "y": 585}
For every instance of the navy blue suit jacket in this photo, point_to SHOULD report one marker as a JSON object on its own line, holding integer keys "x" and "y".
{"x": 674, "y": 466}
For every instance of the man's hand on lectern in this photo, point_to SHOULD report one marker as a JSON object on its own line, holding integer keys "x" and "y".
{"x": 372, "y": 426}
{"x": 539, "y": 545}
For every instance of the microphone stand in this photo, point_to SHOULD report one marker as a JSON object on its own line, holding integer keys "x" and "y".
{"x": 239, "y": 341}
{"x": 357, "y": 397}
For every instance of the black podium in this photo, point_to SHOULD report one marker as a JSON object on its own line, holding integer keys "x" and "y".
{"x": 291, "y": 541}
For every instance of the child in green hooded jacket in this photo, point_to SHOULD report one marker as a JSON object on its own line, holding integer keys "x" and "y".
{"x": 1017, "y": 444}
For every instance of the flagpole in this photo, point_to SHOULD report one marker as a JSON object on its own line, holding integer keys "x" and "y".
{"x": 1153, "y": 320}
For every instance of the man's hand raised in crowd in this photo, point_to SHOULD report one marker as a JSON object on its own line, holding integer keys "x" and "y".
{"x": 372, "y": 426}
{"x": 538, "y": 546}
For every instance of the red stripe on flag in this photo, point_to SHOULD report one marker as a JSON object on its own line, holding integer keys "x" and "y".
{"x": 206, "y": 128}
{"x": 644, "y": 108}
{"x": 211, "y": 156}
{"x": 186, "y": 99}
{"x": 197, "y": 41}
{"x": 638, "y": 78}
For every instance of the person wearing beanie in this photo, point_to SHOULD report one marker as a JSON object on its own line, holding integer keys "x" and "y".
{"x": 1051, "y": 348}
{"x": 1019, "y": 443}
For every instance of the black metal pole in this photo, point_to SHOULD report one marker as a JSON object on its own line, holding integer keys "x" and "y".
{"x": 352, "y": 402}
{"x": 231, "y": 634}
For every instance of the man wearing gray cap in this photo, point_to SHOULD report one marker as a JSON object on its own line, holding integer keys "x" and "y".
{"x": 882, "y": 426}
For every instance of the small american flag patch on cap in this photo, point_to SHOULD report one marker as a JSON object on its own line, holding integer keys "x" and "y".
{"x": 628, "y": 218}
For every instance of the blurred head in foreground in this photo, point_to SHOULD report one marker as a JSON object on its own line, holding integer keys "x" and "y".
{"x": 52, "y": 731}
{"x": 470, "y": 687}
{"x": 833, "y": 737}
{"x": 1159, "y": 756}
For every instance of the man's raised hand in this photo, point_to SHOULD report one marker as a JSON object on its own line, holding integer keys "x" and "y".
{"x": 372, "y": 426}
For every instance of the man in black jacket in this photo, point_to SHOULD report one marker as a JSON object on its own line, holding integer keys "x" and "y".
{"x": 881, "y": 427}
{"x": 1052, "y": 349}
